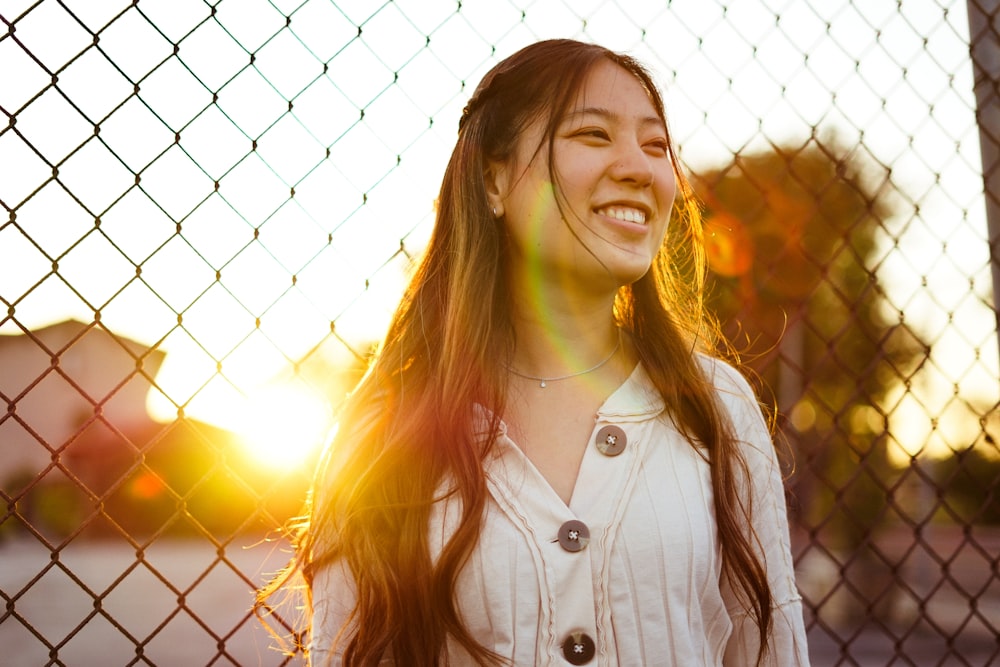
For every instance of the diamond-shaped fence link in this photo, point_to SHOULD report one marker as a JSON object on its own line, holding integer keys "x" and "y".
{"x": 211, "y": 207}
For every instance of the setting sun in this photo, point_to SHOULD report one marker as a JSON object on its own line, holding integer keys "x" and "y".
{"x": 283, "y": 424}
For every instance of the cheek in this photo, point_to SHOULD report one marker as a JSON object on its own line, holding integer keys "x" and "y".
{"x": 666, "y": 196}
{"x": 578, "y": 174}
{"x": 529, "y": 220}
{"x": 666, "y": 187}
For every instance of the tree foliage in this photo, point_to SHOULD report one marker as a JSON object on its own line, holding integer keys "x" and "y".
{"x": 795, "y": 238}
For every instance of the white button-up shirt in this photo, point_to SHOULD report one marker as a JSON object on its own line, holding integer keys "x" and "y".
{"x": 647, "y": 588}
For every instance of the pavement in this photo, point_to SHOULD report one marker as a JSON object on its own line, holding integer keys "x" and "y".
{"x": 181, "y": 603}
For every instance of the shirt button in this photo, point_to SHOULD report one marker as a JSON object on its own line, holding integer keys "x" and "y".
{"x": 574, "y": 535}
{"x": 611, "y": 440}
{"x": 578, "y": 649}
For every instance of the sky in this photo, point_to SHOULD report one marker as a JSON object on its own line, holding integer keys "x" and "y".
{"x": 244, "y": 185}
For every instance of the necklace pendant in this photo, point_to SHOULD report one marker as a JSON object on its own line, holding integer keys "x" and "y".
{"x": 542, "y": 384}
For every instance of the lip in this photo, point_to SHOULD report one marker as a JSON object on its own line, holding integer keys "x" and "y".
{"x": 626, "y": 204}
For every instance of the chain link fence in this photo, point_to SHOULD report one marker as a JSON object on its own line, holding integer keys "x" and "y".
{"x": 210, "y": 208}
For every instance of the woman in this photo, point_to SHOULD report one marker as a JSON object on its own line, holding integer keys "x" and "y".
{"x": 543, "y": 465}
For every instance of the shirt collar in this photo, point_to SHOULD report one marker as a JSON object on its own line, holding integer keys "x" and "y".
{"x": 635, "y": 399}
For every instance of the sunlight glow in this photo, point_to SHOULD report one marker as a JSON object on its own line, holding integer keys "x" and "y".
{"x": 283, "y": 425}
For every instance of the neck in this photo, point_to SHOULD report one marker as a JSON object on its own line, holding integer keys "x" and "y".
{"x": 558, "y": 333}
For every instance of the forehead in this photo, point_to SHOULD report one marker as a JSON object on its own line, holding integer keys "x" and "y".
{"x": 612, "y": 88}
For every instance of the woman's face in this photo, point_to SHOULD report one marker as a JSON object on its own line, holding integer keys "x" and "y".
{"x": 605, "y": 218}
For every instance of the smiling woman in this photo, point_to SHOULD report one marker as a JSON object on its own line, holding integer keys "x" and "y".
{"x": 614, "y": 186}
{"x": 545, "y": 463}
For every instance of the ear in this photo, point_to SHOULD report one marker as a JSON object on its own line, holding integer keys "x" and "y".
{"x": 496, "y": 180}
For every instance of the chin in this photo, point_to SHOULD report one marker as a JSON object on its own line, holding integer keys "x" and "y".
{"x": 627, "y": 273}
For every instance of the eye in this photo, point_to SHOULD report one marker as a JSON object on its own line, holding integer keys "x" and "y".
{"x": 658, "y": 147}
{"x": 592, "y": 133}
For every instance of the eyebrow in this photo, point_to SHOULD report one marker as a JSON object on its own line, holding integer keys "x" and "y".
{"x": 610, "y": 115}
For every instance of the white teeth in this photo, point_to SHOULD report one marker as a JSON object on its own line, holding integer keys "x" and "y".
{"x": 624, "y": 214}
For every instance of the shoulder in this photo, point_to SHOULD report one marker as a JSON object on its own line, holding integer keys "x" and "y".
{"x": 727, "y": 380}
{"x": 737, "y": 399}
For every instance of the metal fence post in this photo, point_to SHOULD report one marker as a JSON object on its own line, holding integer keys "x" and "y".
{"x": 984, "y": 46}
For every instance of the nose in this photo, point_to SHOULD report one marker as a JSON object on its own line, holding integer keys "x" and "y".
{"x": 632, "y": 165}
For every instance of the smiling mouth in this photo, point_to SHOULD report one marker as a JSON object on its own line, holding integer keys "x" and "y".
{"x": 624, "y": 213}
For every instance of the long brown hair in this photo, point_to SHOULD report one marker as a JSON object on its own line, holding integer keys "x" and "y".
{"x": 410, "y": 435}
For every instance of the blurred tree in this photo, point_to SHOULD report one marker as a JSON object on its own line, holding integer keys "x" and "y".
{"x": 793, "y": 238}
{"x": 970, "y": 478}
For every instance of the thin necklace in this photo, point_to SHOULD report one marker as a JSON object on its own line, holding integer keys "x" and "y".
{"x": 543, "y": 382}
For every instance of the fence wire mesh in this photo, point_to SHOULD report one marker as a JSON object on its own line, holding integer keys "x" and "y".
{"x": 212, "y": 206}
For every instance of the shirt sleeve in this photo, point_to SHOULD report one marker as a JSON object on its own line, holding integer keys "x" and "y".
{"x": 333, "y": 595}
{"x": 332, "y": 601}
{"x": 788, "y": 646}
